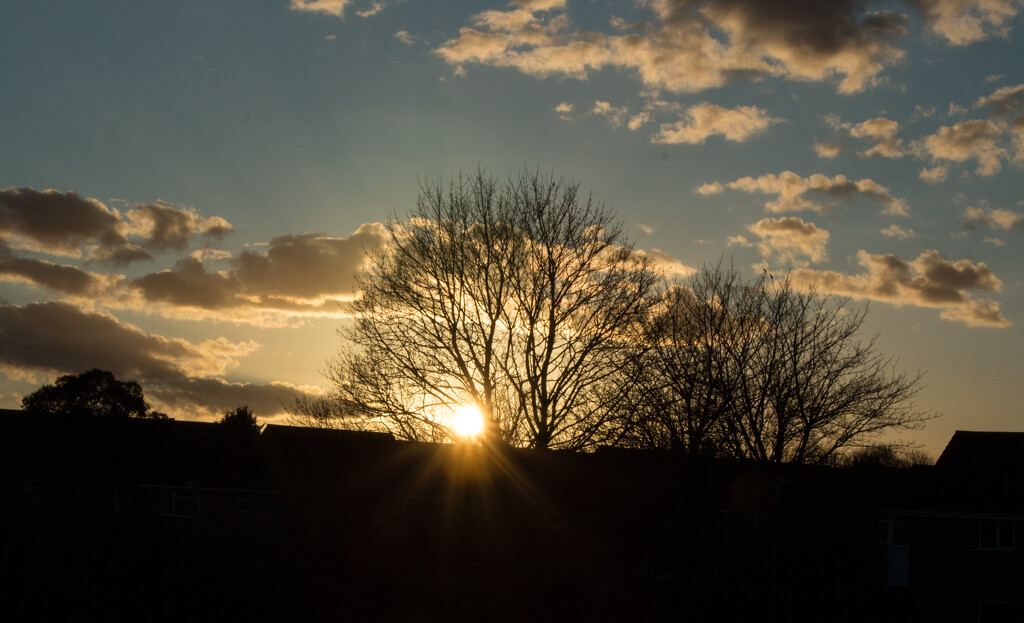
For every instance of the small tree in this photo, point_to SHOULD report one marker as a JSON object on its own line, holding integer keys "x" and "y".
{"x": 242, "y": 420}
{"x": 521, "y": 299}
{"x": 94, "y": 393}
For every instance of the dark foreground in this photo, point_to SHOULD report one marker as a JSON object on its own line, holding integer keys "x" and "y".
{"x": 154, "y": 520}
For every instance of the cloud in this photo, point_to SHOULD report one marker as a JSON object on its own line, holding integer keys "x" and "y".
{"x": 1005, "y": 220}
{"x": 616, "y": 115}
{"x": 375, "y": 8}
{"x": 305, "y": 273}
{"x": 789, "y": 239}
{"x": 828, "y": 150}
{"x": 934, "y": 175}
{"x": 188, "y": 284}
{"x": 883, "y": 131}
{"x": 58, "y": 223}
{"x": 738, "y": 240}
{"x": 972, "y": 139}
{"x": 1008, "y": 103}
{"x": 66, "y": 224}
{"x": 166, "y": 227}
{"x": 67, "y": 280}
{"x": 405, "y": 37}
{"x": 638, "y": 120}
{"x": 690, "y": 46}
{"x": 61, "y": 337}
{"x": 703, "y": 120}
{"x": 962, "y": 22}
{"x": 795, "y": 193}
{"x": 58, "y": 338}
{"x": 927, "y": 281}
{"x": 667, "y": 264}
{"x": 711, "y": 188}
{"x": 646, "y": 230}
{"x": 327, "y": 7}
{"x": 895, "y": 231}
{"x": 539, "y": 5}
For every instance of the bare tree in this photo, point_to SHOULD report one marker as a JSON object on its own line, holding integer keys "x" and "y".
{"x": 522, "y": 299}
{"x": 765, "y": 371}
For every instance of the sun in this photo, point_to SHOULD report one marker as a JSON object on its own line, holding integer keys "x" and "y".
{"x": 467, "y": 421}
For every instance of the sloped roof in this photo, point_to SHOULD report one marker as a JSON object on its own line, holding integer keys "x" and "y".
{"x": 983, "y": 451}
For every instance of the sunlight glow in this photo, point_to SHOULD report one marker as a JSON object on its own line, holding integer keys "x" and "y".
{"x": 467, "y": 421}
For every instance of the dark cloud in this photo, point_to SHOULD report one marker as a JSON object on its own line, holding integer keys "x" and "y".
{"x": 166, "y": 227}
{"x": 120, "y": 256}
{"x": 176, "y": 374}
{"x": 307, "y": 265}
{"x": 59, "y": 336}
{"x": 54, "y": 222}
{"x": 297, "y": 272}
{"x": 212, "y": 397}
{"x": 189, "y": 284}
{"x": 58, "y": 222}
{"x": 68, "y": 280}
{"x": 928, "y": 281}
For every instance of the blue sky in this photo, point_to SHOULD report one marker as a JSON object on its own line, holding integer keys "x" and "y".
{"x": 188, "y": 186}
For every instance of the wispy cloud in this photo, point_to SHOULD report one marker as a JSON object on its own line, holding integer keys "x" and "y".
{"x": 1007, "y": 105}
{"x": 895, "y": 231}
{"x": 616, "y": 115}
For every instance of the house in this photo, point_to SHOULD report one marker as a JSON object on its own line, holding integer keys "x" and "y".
{"x": 955, "y": 549}
{"x": 190, "y": 519}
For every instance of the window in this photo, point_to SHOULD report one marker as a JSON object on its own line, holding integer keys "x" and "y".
{"x": 997, "y": 534}
{"x": 899, "y": 533}
{"x": 181, "y": 503}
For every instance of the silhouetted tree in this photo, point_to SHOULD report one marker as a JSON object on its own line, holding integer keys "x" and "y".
{"x": 766, "y": 371}
{"x": 522, "y": 299}
{"x": 241, "y": 419}
{"x": 95, "y": 393}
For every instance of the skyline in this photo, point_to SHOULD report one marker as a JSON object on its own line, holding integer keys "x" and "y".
{"x": 188, "y": 190}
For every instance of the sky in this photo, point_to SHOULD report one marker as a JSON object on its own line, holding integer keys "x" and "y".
{"x": 187, "y": 188}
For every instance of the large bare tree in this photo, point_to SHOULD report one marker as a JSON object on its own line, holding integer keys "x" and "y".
{"x": 763, "y": 370}
{"x": 523, "y": 299}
